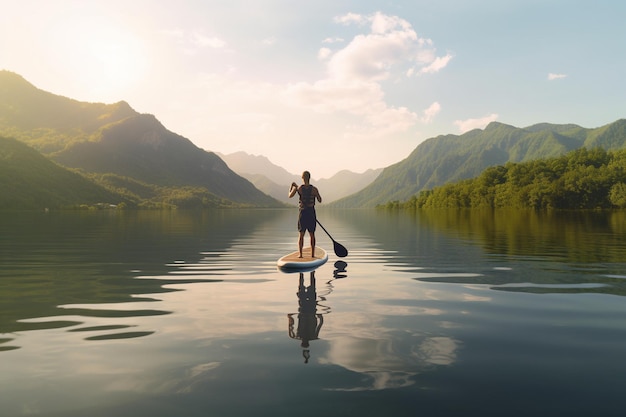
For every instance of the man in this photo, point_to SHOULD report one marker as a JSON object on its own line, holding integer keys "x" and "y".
{"x": 307, "y": 219}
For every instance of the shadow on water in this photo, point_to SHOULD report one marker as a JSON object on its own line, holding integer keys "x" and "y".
{"x": 60, "y": 268}
{"x": 510, "y": 250}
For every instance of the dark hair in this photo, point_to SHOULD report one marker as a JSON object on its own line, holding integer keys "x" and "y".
{"x": 306, "y": 175}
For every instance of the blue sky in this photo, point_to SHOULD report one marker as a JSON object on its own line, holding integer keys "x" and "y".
{"x": 327, "y": 85}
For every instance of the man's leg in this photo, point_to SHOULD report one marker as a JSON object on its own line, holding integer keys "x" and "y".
{"x": 300, "y": 242}
{"x": 312, "y": 236}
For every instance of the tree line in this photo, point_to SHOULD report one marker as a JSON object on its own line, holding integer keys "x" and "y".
{"x": 581, "y": 179}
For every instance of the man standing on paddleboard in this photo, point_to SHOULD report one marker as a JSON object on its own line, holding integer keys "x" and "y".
{"x": 307, "y": 219}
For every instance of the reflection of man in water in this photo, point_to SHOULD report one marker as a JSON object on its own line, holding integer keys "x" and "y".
{"x": 309, "y": 322}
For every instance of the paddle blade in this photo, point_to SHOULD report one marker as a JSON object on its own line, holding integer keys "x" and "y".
{"x": 340, "y": 250}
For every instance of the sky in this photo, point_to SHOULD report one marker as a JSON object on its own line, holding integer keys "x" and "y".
{"x": 327, "y": 85}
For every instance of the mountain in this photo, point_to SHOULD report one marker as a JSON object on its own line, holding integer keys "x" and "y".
{"x": 450, "y": 158}
{"x": 345, "y": 183}
{"x": 114, "y": 139}
{"x": 260, "y": 171}
{"x": 50, "y": 122}
{"x": 135, "y": 156}
{"x": 244, "y": 163}
{"x": 31, "y": 181}
{"x": 274, "y": 180}
{"x": 141, "y": 148}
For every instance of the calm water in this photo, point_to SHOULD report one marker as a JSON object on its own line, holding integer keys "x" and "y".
{"x": 435, "y": 314}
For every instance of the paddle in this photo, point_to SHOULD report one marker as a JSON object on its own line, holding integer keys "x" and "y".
{"x": 340, "y": 250}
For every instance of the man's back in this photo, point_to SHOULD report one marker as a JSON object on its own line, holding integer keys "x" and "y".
{"x": 308, "y": 194}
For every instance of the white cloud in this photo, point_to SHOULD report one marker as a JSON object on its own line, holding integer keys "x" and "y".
{"x": 391, "y": 44}
{"x": 383, "y": 24}
{"x": 389, "y": 47}
{"x": 553, "y": 76}
{"x": 357, "y": 98}
{"x": 436, "y": 65}
{"x": 349, "y": 18}
{"x": 469, "y": 124}
{"x": 324, "y": 53}
{"x": 333, "y": 40}
{"x": 431, "y": 112}
{"x": 330, "y": 95}
{"x": 371, "y": 57}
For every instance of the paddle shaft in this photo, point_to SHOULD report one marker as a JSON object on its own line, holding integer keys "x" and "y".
{"x": 318, "y": 222}
{"x": 340, "y": 250}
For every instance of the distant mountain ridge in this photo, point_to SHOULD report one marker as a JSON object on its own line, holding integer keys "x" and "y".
{"x": 449, "y": 158}
{"x": 274, "y": 180}
{"x": 345, "y": 183}
{"x": 114, "y": 139}
{"x": 258, "y": 164}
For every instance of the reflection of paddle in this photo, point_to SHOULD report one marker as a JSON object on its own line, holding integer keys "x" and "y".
{"x": 340, "y": 250}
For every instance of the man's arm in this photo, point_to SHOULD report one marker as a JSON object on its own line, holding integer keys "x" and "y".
{"x": 317, "y": 195}
{"x": 293, "y": 189}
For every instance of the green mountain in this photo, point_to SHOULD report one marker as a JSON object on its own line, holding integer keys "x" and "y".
{"x": 107, "y": 139}
{"x": 581, "y": 179}
{"x": 140, "y": 147}
{"x": 48, "y": 122}
{"x": 28, "y": 180}
{"x": 450, "y": 158}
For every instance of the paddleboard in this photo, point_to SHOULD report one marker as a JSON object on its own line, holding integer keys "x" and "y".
{"x": 292, "y": 261}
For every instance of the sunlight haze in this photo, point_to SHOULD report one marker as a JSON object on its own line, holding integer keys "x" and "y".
{"x": 326, "y": 85}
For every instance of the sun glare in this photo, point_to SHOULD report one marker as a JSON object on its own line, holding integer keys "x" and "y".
{"x": 107, "y": 59}
{"x": 116, "y": 61}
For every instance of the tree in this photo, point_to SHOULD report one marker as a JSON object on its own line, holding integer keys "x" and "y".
{"x": 581, "y": 179}
{"x": 617, "y": 195}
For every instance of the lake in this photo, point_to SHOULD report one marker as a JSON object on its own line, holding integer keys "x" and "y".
{"x": 447, "y": 313}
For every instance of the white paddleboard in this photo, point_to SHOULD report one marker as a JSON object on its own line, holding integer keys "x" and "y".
{"x": 292, "y": 261}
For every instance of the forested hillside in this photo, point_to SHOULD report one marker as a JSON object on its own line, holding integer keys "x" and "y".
{"x": 106, "y": 141}
{"x": 30, "y": 181}
{"x": 48, "y": 122}
{"x": 140, "y": 148}
{"x": 581, "y": 179}
{"x": 451, "y": 158}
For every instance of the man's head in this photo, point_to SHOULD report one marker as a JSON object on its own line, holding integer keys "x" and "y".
{"x": 306, "y": 176}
